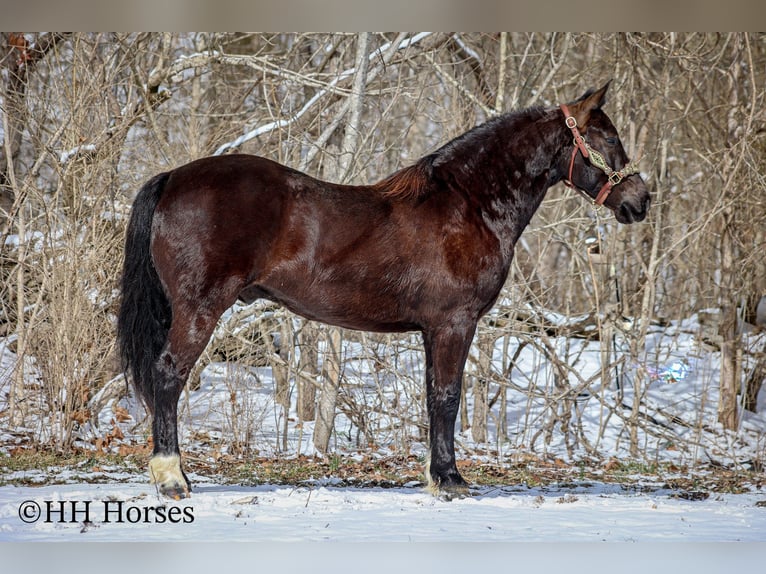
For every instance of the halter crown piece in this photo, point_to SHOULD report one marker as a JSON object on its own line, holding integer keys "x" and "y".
{"x": 596, "y": 159}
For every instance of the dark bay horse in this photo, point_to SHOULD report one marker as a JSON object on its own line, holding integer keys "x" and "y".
{"x": 427, "y": 249}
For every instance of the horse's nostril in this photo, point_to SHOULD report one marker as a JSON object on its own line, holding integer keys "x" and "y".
{"x": 640, "y": 214}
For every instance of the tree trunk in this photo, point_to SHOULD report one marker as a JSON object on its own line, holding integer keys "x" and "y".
{"x": 351, "y": 136}
{"x": 329, "y": 396}
{"x": 282, "y": 374}
{"x": 279, "y": 361}
{"x": 308, "y": 339}
{"x": 480, "y": 388}
{"x": 754, "y": 383}
{"x": 729, "y": 381}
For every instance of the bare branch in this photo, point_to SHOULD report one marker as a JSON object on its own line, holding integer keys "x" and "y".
{"x": 385, "y": 52}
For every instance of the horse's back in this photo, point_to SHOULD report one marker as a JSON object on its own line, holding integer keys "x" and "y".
{"x": 230, "y": 175}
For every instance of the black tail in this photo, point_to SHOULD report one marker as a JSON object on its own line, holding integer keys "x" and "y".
{"x": 144, "y": 318}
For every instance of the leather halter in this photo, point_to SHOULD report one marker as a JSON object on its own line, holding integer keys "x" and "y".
{"x": 596, "y": 159}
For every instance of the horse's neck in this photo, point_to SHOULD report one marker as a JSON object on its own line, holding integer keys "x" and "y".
{"x": 509, "y": 216}
{"x": 511, "y": 173}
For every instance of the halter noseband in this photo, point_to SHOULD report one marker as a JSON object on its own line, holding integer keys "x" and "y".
{"x": 596, "y": 159}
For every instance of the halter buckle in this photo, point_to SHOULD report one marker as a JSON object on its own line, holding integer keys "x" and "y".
{"x": 615, "y": 177}
{"x": 571, "y": 122}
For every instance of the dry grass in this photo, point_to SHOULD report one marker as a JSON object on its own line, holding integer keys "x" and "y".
{"x": 386, "y": 472}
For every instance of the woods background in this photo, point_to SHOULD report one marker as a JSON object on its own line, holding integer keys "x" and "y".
{"x": 87, "y": 118}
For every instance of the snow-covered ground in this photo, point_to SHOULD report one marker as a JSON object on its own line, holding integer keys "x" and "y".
{"x": 592, "y": 513}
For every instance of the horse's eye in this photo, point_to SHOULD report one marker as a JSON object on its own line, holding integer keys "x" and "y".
{"x": 611, "y": 141}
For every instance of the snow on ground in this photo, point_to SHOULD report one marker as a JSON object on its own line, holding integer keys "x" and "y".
{"x": 592, "y": 513}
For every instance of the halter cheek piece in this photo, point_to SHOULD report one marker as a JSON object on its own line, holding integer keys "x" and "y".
{"x": 596, "y": 159}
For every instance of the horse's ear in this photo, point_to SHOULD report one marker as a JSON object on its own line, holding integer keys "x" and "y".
{"x": 590, "y": 100}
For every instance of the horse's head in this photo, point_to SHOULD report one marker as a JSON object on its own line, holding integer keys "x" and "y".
{"x": 598, "y": 164}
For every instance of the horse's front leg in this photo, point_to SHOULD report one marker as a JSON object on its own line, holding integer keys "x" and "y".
{"x": 446, "y": 352}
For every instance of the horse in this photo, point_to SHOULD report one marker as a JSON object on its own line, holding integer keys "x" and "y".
{"x": 426, "y": 249}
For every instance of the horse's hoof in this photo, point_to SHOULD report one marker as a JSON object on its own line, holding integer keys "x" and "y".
{"x": 448, "y": 496}
{"x": 453, "y": 490}
{"x": 175, "y": 491}
{"x": 449, "y": 487}
{"x": 165, "y": 471}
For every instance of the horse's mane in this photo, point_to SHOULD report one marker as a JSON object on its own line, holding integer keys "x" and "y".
{"x": 411, "y": 182}
{"x": 414, "y": 181}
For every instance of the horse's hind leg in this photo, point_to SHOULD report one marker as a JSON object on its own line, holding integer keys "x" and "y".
{"x": 192, "y": 326}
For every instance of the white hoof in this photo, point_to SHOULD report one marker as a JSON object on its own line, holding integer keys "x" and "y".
{"x": 165, "y": 471}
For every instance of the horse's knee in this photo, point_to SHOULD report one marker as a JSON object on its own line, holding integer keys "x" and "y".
{"x": 444, "y": 401}
{"x": 165, "y": 471}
